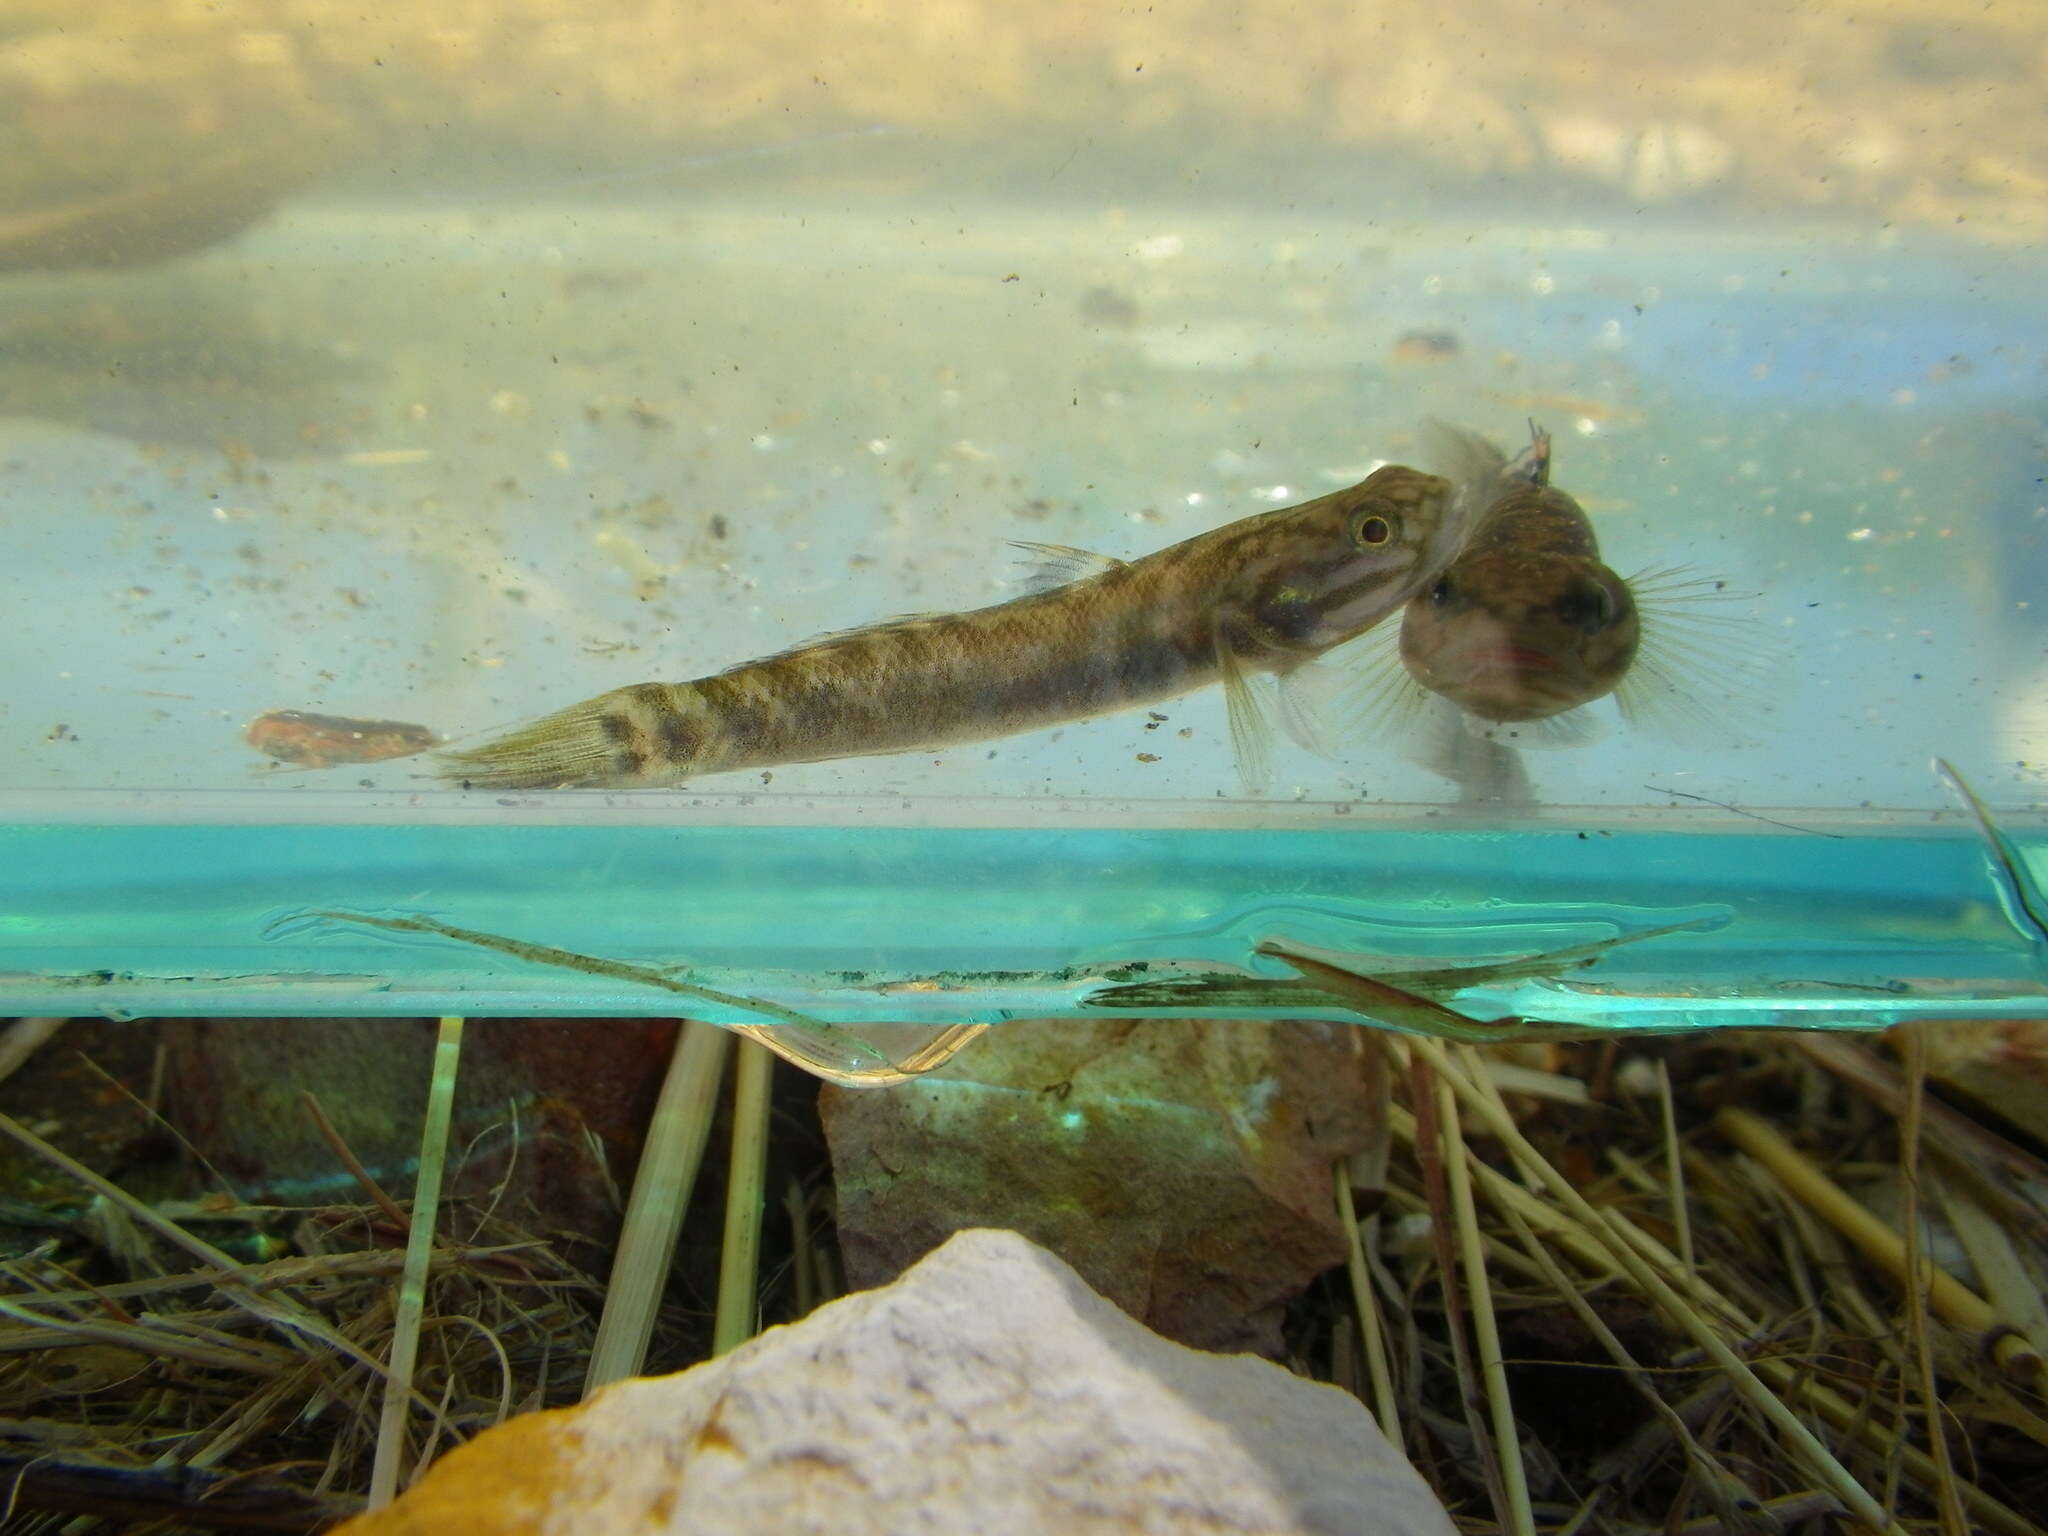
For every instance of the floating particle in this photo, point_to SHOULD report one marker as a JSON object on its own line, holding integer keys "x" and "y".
{"x": 1426, "y": 347}
{"x": 1109, "y": 307}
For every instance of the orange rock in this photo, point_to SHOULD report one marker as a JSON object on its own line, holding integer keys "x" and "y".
{"x": 500, "y": 1484}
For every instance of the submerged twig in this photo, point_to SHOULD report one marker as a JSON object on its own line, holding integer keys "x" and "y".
{"x": 2019, "y": 880}
{"x": 1736, "y": 810}
{"x": 852, "y": 1061}
{"x": 569, "y": 959}
{"x": 1410, "y": 1000}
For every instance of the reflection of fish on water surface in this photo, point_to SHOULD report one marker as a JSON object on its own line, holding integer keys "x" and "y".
{"x": 1528, "y": 627}
{"x": 1269, "y": 593}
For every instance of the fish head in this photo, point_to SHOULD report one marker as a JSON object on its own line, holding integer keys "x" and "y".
{"x": 1310, "y": 577}
{"x": 1509, "y": 635}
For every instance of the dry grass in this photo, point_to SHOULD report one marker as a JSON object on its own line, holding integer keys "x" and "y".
{"x": 1617, "y": 1287}
{"x": 249, "y": 1394}
{"x": 1700, "y": 1328}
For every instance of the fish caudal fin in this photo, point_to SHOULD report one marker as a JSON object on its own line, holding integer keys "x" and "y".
{"x": 628, "y": 736}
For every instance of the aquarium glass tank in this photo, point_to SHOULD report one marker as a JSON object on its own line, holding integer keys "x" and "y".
{"x": 377, "y": 380}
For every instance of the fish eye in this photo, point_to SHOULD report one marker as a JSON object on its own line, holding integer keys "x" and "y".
{"x": 1372, "y": 531}
{"x": 1441, "y": 592}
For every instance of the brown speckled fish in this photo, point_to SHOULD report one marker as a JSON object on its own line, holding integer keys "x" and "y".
{"x": 1267, "y": 594}
{"x": 1528, "y": 625}
{"x": 1527, "y": 622}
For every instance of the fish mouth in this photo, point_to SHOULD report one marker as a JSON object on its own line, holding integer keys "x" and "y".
{"x": 1519, "y": 660}
{"x": 1505, "y": 681}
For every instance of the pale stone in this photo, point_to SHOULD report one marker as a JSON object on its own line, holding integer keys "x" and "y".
{"x": 987, "y": 1390}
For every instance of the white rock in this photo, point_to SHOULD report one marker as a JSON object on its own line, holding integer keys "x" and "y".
{"x": 986, "y": 1390}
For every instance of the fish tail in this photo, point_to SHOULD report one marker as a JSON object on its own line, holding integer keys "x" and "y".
{"x": 649, "y": 733}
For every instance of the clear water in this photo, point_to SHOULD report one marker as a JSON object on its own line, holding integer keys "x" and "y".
{"x": 469, "y": 441}
{"x": 851, "y": 920}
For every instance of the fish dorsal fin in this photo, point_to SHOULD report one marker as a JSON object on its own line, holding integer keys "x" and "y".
{"x": 1478, "y": 469}
{"x": 1057, "y": 565}
{"x": 825, "y": 636}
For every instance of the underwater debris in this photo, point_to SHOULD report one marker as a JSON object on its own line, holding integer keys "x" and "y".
{"x": 1736, "y": 810}
{"x": 1426, "y": 347}
{"x": 2026, "y": 894}
{"x": 326, "y": 741}
{"x": 831, "y": 1051}
{"x": 1408, "y": 1001}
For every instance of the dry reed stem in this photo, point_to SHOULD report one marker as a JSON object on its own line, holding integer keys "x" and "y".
{"x": 739, "y": 1259}
{"x": 1804, "y": 1444}
{"x": 419, "y": 1253}
{"x": 796, "y": 1206}
{"x": 156, "y": 1337}
{"x": 1955, "y": 1302}
{"x": 2012, "y": 1292}
{"x": 669, "y": 1160}
{"x": 22, "y": 1039}
{"x": 1431, "y": 1148}
{"x": 1712, "y": 1475}
{"x": 1681, "y": 1213}
{"x": 1485, "y": 1326}
{"x": 1956, "y": 1138}
{"x": 1367, "y": 1309}
{"x": 1915, "y": 1273}
{"x": 338, "y": 1145}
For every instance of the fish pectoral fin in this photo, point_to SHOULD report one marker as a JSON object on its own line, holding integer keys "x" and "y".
{"x": 1579, "y": 727}
{"x": 1704, "y": 670}
{"x": 1250, "y": 727}
{"x": 1058, "y": 565}
{"x": 1308, "y": 697}
{"x": 1367, "y": 694}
